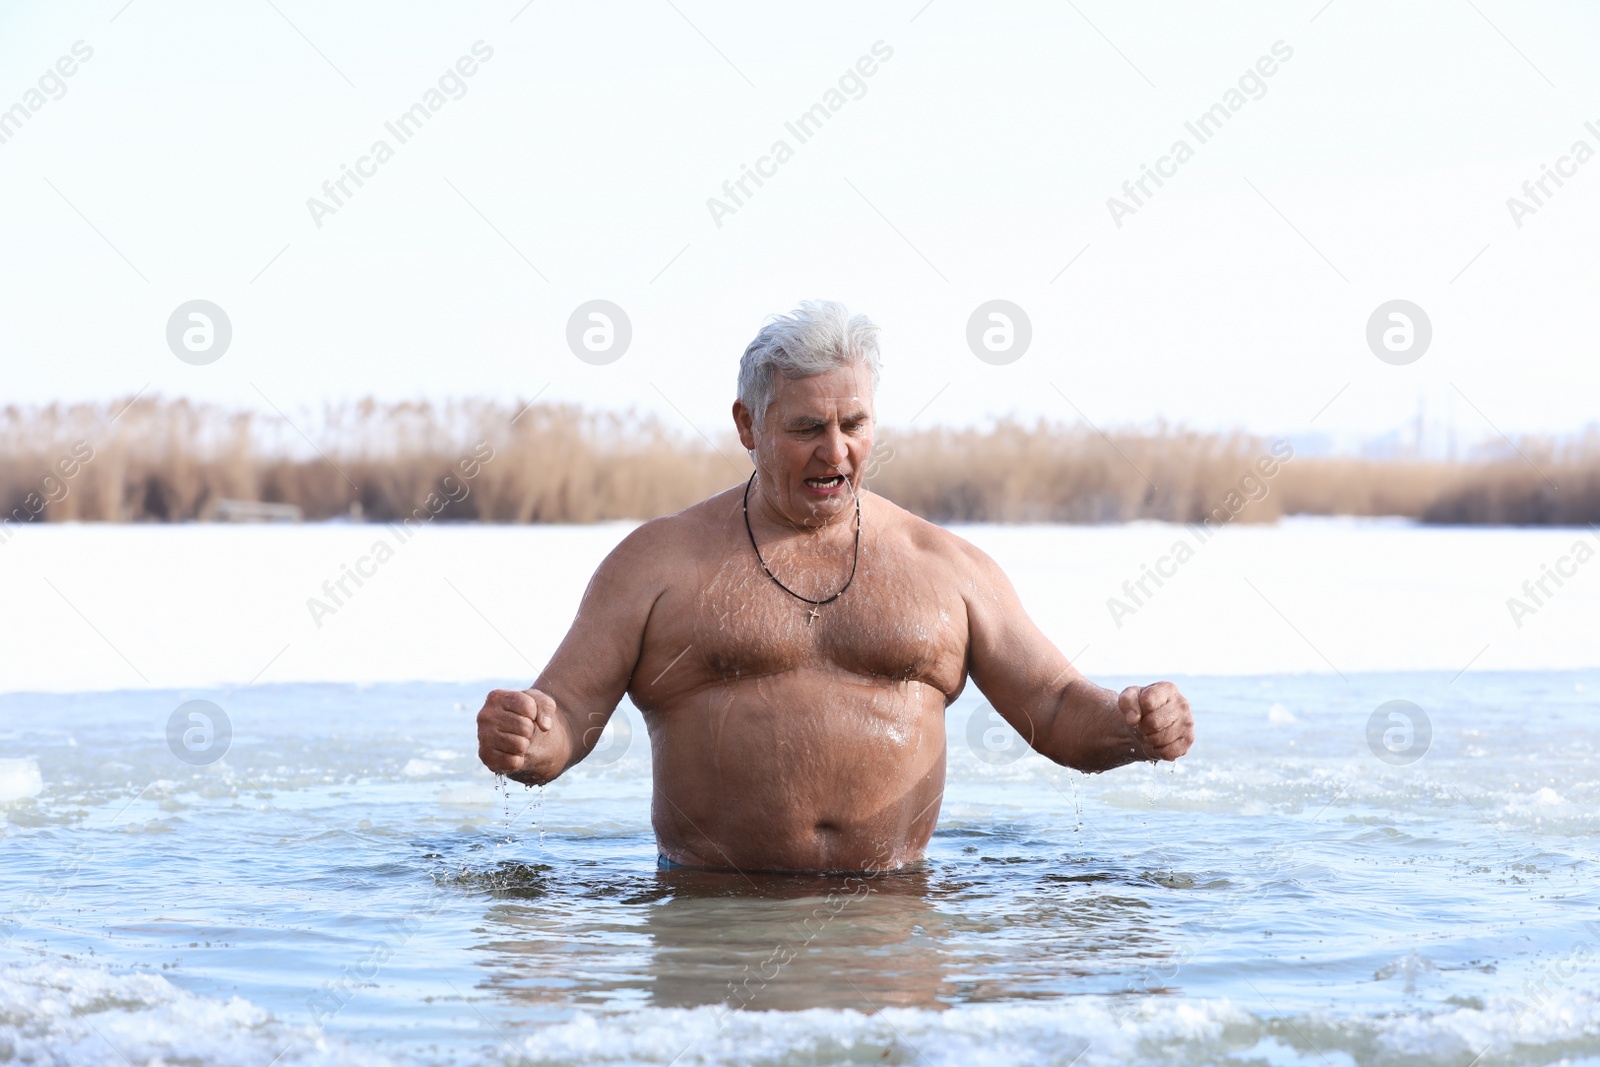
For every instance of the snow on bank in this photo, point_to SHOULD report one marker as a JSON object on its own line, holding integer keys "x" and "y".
{"x": 109, "y": 607}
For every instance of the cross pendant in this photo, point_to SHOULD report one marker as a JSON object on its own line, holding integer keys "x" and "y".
{"x": 815, "y": 614}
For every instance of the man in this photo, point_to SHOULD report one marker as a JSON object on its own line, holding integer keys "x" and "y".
{"x": 793, "y": 643}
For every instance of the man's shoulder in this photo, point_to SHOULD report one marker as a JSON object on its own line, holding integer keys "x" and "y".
{"x": 683, "y": 533}
{"x": 931, "y": 542}
{"x": 919, "y": 536}
{"x": 655, "y": 555}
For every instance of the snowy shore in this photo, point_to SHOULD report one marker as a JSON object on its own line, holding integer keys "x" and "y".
{"x": 93, "y": 607}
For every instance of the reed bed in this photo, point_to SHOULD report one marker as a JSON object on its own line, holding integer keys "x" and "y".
{"x": 161, "y": 460}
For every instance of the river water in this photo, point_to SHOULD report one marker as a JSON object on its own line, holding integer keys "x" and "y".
{"x": 323, "y": 874}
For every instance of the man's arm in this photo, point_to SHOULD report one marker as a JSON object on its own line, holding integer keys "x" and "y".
{"x": 533, "y": 735}
{"x": 1058, "y": 711}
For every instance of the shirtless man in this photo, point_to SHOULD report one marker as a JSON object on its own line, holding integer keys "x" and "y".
{"x": 800, "y": 726}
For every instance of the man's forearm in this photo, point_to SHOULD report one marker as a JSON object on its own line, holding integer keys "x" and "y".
{"x": 1089, "y": 732}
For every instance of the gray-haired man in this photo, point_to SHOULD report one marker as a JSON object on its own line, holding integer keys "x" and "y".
{"x": 793, "y": 642}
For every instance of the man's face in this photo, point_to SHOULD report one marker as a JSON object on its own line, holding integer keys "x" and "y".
{"x": 814, "y": 443}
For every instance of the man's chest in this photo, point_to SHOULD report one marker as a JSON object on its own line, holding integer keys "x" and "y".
{"x": 894, "y": 623}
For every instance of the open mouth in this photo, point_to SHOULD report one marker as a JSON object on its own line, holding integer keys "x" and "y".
{"x": 825, "y": 484}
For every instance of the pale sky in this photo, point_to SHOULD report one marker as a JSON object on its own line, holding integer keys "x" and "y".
{"x": 973, "y": 164}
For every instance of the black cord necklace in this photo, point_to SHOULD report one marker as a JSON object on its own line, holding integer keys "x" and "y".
{"x": 815, "y": 604}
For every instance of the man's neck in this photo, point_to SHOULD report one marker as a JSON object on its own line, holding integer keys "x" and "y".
{"x": 767, "y": 519}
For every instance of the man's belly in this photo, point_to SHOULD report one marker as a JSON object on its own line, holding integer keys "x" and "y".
{"x": 810, "y": 769}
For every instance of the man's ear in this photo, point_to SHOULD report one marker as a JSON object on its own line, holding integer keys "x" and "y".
{"x": 744, "y": 421}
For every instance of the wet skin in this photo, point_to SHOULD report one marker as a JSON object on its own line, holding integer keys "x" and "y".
{"x": 784, "y": 741}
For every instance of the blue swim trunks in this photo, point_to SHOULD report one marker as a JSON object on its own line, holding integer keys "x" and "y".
{"x": 664, "y": 864}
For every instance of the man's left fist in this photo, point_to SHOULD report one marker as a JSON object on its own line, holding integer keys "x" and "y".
{"x": 1161, "y": 715}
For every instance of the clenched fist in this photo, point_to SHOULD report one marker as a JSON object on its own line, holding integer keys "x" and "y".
{"x": 1161, "y": 716}
{"x": 517, "y": 734}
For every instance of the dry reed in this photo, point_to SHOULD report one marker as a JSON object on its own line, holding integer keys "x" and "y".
{"x": 173, "y": 460}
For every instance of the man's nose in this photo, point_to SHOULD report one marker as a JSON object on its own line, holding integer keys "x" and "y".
{"x": 833, "y": 448}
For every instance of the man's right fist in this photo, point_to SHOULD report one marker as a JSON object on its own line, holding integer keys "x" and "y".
{"x": 512, "y": 731}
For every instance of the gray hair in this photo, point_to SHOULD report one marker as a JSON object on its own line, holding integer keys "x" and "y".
{"x": 817, "y": 337}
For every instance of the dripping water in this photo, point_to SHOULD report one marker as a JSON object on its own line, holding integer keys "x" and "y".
{"x": 537, "y": 807}
{"x": 508, "y": 822}
{"x": 502, "y": 785}
{"x": 1077, "y": 800}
